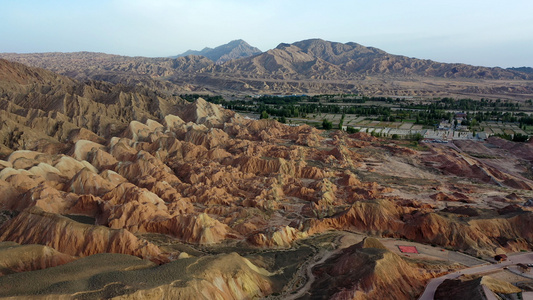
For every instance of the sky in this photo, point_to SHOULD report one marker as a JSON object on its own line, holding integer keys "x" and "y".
{"x": 485, "y": 33}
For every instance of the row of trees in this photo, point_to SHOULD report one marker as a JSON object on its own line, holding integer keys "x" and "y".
{"x": 464, "y": 105}
{"x": 300, "y": 100}
{"x": 517, "y": 137}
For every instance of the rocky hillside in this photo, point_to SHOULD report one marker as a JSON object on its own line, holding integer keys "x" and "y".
{"x": 127, "y": 184}
{"x": 232, "y": 50}
{"x": 310, "y": 66}
{"x": 367, "y": 270}
{"x": 319, "y": 59}
{"x": 152, "y": 73}
{"x": 42, "y": 108}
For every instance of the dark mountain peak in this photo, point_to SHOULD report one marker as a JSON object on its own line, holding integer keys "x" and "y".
{"x": 338, "y": 47}
{"x": 283, "y": 46}
{"x": 320, "y": 43}
{"x": 233, "y": 50}
{"x": 311, "y": 42}
{"x": 238, "y": 42}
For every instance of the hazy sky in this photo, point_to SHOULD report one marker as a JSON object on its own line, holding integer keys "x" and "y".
{"x": 488, "y": 32}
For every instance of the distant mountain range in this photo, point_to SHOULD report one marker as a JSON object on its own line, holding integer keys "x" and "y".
{"x": 309, "y": 66}
{"x": 232, "y": 50}
{"x": 528, "y": 70}
{"x": 317, "y": 58}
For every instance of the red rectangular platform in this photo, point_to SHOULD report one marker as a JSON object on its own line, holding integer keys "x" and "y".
{"x": 408, "y": 249}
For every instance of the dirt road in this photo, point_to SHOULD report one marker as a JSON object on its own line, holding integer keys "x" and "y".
{"x": 310, "y": 275}
{"x": 429, "y": 292}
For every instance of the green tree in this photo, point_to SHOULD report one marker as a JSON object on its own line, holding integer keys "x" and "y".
{"x": 327, "y": 124}
{"x": 264, "y": 115}
{"x": 351, "y": 130}
{"x": 416, "y": 137}
{"x": 518, "y": 137}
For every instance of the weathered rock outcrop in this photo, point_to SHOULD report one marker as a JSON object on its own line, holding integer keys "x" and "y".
{"x": 200, "y": 229}
{"x": 388, "y": 219}
{"x": 276, "y": 237}
{"x": 465, "y": 166}
{"x": 16, "y": 258}
{"x": 34, "y": 226}
{"x": 203, "y": 112}
{"x": 367, "y": 271}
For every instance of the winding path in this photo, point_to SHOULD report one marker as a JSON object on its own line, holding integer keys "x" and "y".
{"x": 310, "y": 275}
{"x": 323, "y": 255}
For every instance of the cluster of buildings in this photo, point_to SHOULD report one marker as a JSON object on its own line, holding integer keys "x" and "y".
{"x": 445, "y": 131}
{"x": 431, "y": 135}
